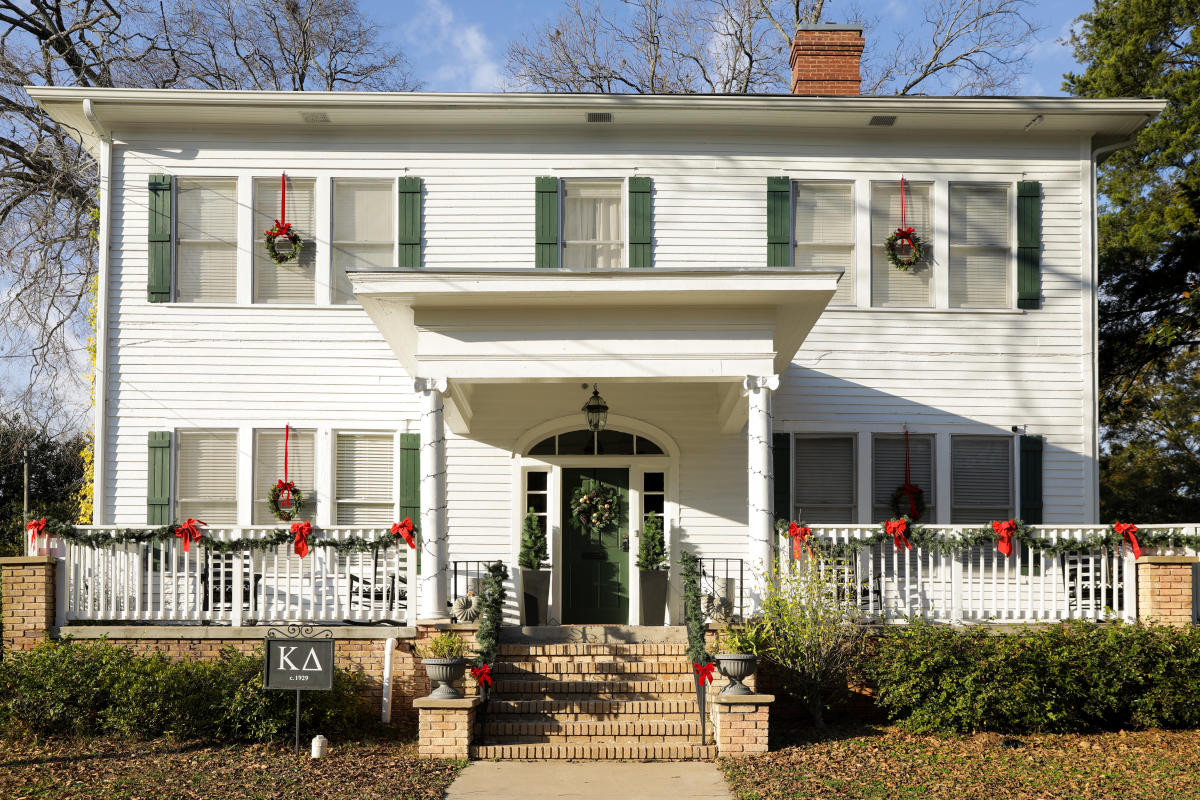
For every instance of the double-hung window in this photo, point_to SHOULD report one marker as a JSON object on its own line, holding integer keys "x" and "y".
{"x": 981, "y": 479}
{"x": 980, "y": 245}
{"x": 823, "y": 231}
{"x": 825, "y": 475}
{"x": 295, "y": 280}
{"x": 206, "y": 240}
{"x": 593, "y": 231}
{"x": 364, "y": 230}
{"x": 365, "y": 479}
{"x": 892, "y": 287}
{"x": 268, "y": 470}
{"x": 887, "y": 474}
{"x": 206, "y": 480}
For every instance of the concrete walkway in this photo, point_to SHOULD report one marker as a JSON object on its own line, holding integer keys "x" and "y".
{"x": 590, "y": 780}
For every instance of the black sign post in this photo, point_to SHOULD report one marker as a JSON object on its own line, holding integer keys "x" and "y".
{"x": 301, "y": 665}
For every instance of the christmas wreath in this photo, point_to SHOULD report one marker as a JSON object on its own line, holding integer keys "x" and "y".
{"x": 283, "y": 230}
{"x": 900, "y": 497}
{"x": 288, "y": 512}
{"x": 899, "y": 238}
{"x": 595, "y": 509}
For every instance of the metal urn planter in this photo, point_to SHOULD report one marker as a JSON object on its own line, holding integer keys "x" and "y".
{"x": 737, "y": 667}
{"x": 445, "y": 672}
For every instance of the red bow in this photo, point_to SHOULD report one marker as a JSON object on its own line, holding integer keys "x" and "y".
{"x": 285, "y": 492}
{"x": 302, "y": 530}
{"x": 482, "y": 674}
{"x": 799, "y": 534}
{"x": 405, "y": 528}
{"x": 1128, "y": 529}
{"x": 905, "y": 233}
{"x": 896, "y": 528}
{"x": 704, "y": 672}
{"x": 1005, "y": 531}
{"x": 189, "y": 532}
{"x": 35, "y": 527}
{"x": 280, "y": 229}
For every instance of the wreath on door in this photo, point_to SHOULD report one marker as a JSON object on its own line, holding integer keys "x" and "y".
{"x": 594, "y": 509}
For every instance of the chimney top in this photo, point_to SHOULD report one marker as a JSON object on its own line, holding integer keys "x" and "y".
{"x": 826, "y": 59}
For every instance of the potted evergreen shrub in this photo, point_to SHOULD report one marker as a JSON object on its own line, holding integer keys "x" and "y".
{"x": 652, "y": 570}
{"x": 535, "y": 577}
{"x": 445, "y": 661}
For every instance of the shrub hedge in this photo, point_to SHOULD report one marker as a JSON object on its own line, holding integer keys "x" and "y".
{"x": 1070, "y": 677}
{"x": 96, "y": 687}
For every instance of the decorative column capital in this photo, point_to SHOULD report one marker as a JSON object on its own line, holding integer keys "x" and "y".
{"x": 753, "y": 383}
{"x": 438, "y": 385}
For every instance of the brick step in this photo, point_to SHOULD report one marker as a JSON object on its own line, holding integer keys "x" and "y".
{"x": 597, "y": 751}
{"x": 581, "y": 708}
{"x": 594, "y": 669}
{"x": 521, "y": 651}
{"x": 532, "y": 688}
{"x": 643, "y": 730}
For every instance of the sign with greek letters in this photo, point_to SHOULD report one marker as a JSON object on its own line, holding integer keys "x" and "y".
{"x": 300, "y": 664}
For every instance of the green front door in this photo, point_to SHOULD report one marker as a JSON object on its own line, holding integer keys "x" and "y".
{"x": 595, "y": 586}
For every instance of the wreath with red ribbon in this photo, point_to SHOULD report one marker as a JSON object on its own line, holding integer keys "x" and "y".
{"x": 282, "y": 229}
{"x": 903, "y": 248}
{"x": 284, "y": 499}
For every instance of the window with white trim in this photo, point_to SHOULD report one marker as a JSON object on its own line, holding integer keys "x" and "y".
{"x": 593, "y": 228}
{"x": 823, "y": 231}
{"x": 206, "y": 476}
{"x": 891, "y": 287}
{"x": 887, "y": 473}
{"x": 981, "y": 254}
{"x": 825, "y": 477}
{"x": 268, "y": 470}
{"x": 364, "y": 479}
{"x": 537, "y": 496}
{"x": 364, "y": 229}
{"x": 981, "y": 479}
{"x": 294, "y": 281}
{"x": 206, "y": 240}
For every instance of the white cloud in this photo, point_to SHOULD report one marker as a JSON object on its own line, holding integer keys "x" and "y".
{"x": 450, "y": 54}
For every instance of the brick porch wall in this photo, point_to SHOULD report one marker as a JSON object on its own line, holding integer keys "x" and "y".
{"x": 28, "y": 584}
{"x": 1165, "y": 589}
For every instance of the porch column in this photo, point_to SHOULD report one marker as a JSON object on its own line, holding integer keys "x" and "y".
{"x": 758, "y": 436}
{"x": 433, "y": 498}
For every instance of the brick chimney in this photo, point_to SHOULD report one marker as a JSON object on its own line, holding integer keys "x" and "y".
{"x": 825, "y": 59}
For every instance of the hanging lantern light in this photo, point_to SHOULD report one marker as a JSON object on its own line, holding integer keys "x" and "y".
{"x": 596, "y": 411}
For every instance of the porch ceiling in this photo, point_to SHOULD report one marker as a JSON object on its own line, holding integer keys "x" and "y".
{"x": 499, "y": 325}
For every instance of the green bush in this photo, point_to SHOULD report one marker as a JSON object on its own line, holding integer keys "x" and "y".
{"x": 1071, "y": 677}
{"x": 91, "y": 688}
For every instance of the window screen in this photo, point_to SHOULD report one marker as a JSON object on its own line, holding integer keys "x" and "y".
{"x": 206, "y": 240}
{"x": 887, "y": 474}
{"x": 980, "y": 245}
{"x": 365, "y": 482}
{"x": 825, "y": 477}
{"x": 293, "y": 282}
{"x": 206, "y": 479}
{"x": 824, "y": 232}
{"x": 890, "y": 286}
{"x": 363, "y": 230}
{"x": 268, "y": 470}
{"x": 981, "y": 479}
{"x": 593, "y": 230}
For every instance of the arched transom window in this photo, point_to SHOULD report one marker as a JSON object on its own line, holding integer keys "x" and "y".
{"x": 602, "y": 443}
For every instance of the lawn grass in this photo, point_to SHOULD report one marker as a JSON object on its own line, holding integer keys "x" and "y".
{"x": 107, "y": 769}
{"x": 869, "y": 763}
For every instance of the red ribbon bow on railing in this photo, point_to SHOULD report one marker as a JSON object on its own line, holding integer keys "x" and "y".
{"x": 896, "y": 529}
{"x": 1005, "y": 531}
{"x": 405, "y": 528}
{"x": 704, "y": 672}
{"x": 36, "y": 527}
{"x": 302, "y": 530}
{"x": 1128, "y": 529}
{"x": 189, "y": 533}
{"x": 799, "y": 535}
{"x": 482, "y": 674}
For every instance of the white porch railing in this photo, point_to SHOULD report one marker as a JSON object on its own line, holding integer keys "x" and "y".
{"x": 159, "y": 582}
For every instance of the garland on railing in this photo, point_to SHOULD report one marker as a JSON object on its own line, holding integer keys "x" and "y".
{"x": 190, "y": 534}
{"x": 941, "y": 542}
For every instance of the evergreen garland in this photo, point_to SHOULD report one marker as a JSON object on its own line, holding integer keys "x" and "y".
{"x": 652, "y": 546}
{"x": 693, "y": 614}
{"x": 492, "y": 596}
{"x": 533, "y": 543}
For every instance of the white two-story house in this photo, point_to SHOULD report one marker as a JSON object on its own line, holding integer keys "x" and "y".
{"x": 475, "y": 267}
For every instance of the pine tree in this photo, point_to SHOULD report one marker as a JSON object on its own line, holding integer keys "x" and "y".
{"x": 533, "y": 543}
{"x": 693, "y": 614}
{"x": 492, "y": 596}
{"x": 652, "y": 545}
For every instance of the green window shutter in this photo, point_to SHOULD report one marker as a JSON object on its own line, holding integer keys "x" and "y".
{"x": 640, "y": 223}
{"x": 546, "y": 222}
{"x": 781, "y": 455}
{"x": 410, "y": 479}
{"x": 158, "y": 478}
{"x": 409, "y": 225}
{"x": 1029, "y": 244}
{"x": 158, "y": 284}
{"x": 779, "y": 223}
{"x": 1031, "y": 480}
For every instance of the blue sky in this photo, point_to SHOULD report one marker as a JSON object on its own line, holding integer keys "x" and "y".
{"x": 458, "y": 45}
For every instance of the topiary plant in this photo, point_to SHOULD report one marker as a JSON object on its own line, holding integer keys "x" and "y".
{"x": 533, "y": 543}
{"x": 652, "y": 545}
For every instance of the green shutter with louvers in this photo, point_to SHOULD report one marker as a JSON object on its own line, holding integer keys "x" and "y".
{"x": 546, "y": 222}
{"x": 640, "y": 224}
{"x": 410, "y": 479}
{"x": 1031, "y": 480}
{"x": 158, "y": 478}
{"x": 158, "y": 240}
{"x": 781, "y": 455}
{"x": 1029, "y": 244}
{"x": 779, "y": 223}
{"x": 409, "y": 224}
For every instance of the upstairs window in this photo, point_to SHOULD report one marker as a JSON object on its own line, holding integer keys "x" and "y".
{"x": 295, "y": 281}
{"x": 823, "y": 231}
{"x": 363, "y": 230}
{"x": 206, "y": 481}
{"x": 593, "y": 232}
{"x": 887, "y": 474}
{"x": 206, "y": 240}
{"x": 980, "y": 245}
{"x": 268, "y": 470}
{"x": 891, "y": 287}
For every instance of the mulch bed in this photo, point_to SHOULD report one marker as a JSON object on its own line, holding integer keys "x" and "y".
{"x": 883, "y": 762}
{"x": 106, "y": 769}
